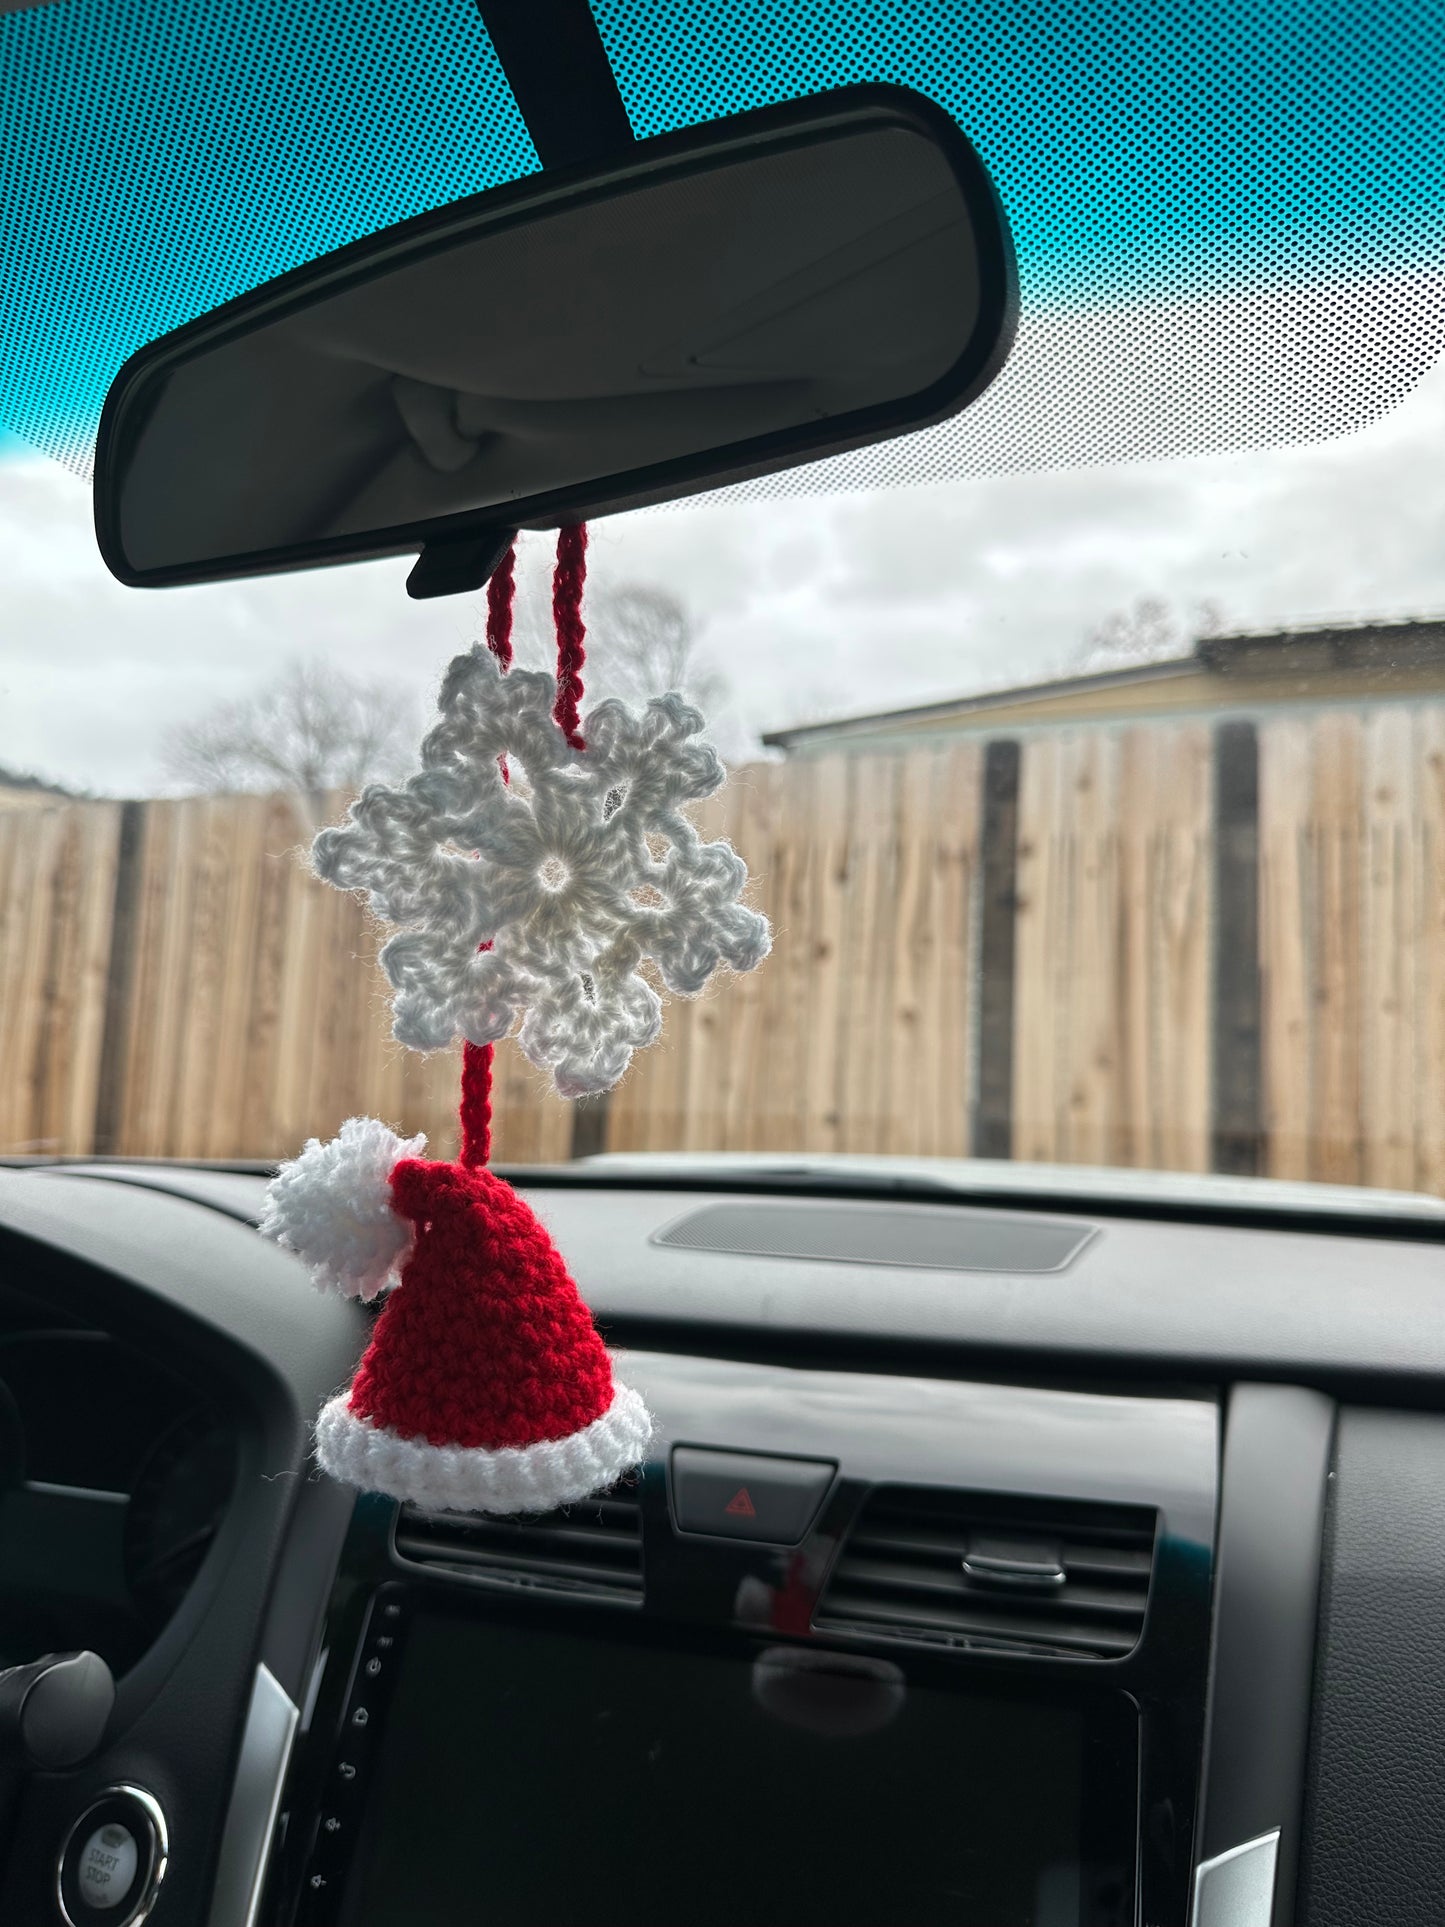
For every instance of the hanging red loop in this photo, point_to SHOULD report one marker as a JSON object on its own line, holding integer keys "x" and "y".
{"x": 476, "y": 1106}
{"x": 501, "y": 596}
{"x": 568, "y": 581}
{"x": 475, "y": 1111}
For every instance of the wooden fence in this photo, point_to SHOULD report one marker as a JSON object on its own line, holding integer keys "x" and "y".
{"x": 1187, "y": 946}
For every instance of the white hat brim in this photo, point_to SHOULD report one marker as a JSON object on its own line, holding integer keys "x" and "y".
{"x": 470, "y": 1478}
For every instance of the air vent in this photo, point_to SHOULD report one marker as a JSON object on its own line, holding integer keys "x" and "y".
{"x": 591, "y": 1551}
{"x": 978, "y": 1571}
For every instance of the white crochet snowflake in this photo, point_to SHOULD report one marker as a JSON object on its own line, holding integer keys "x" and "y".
{"x": 574, "y": 872}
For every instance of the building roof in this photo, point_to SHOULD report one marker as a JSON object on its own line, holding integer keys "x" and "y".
{"x": 20, "y": 787}
{"x": 1304, "y": 667}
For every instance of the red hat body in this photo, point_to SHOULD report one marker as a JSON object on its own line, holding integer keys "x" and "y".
{"x": 488, "y": 1342}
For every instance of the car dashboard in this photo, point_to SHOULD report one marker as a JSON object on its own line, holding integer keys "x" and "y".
{"x": 998, "y": 1560}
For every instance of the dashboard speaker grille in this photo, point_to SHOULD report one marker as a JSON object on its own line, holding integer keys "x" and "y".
{"x": 947, "y": 1238}
{"x": 591, "y": 1551}
{"x": 981, "y": 1571}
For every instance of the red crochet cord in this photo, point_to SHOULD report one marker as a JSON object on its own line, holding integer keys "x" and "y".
{"x": 501, "y": 594}
{"x": 568, "y": 580}
{"x": 476, "y": 1106}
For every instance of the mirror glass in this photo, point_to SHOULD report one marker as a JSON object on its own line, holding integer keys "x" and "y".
{"x": 509, "y": 360}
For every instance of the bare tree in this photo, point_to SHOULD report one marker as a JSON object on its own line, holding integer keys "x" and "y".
{"x": 645, "y": 643}
{"x": 641, "y": 642}
{"x": 311, "y": 730}
{"x": 1150, "y": 630}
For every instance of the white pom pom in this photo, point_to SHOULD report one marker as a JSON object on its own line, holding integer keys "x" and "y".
{"x": 332, "y": 1207}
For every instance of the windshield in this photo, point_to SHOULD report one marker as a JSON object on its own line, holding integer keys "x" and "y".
{"x": 1097, "y": 802}
{"x": 1134, "y": 857}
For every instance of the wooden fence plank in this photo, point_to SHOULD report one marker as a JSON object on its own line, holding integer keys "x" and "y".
{"x": 1139, "y": 989}
{"x": 1287, "y": 912}
{"x": 1094, "y": 969}
{"x": 950, "y": 1024}
{"x": 1179, "y": 897}
{"x": 345, "y": 948}
{"x": 650, "y": 1110}
{"x": 281, "y": 831}
{"x": 196, "y": 1120}
{"x": 740, "y": 1076}
{"x": 858, "y": 869}
{"x": 910, "y": 1046}
{"x": 10, "y": 844}
{"x": 827, "y": 934}
{"x": 89, "y": 963}
{"x": 1238, "y": 1122}
{"x": 142, "y": 1105}
{"x": 173, "y": 1016}
{"x": 118, "y": 1011}
{"x": 1003, "y": 909}
{"x": 689, "y": 1089}
{"x": 53, "y": 1066}
{"x": 788, "y": 979}
{"x": 1429, "y": 786}
{"x": 297, "y": 1016}
{"x": 1038, "y": 930}
{"x": 737, "y": 1089}
{"x": 1336, "y": 1151}
{"x": 867, "y": 956}
{"x": 247, "y": 843}
{"x": 32, "y": 890}
{"x": 72, "y": 1100}
{"x": 18, "y": 854}
{"x": 380, "y": 1076}
{"x": 1390, "y": 938}
{"x": 433, "y": 1085}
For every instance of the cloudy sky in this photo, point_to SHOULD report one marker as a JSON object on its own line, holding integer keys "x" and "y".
{"x": 813, "y": 605}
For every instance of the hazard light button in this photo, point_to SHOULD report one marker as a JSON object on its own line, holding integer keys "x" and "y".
{"x": 744, "y": 1495}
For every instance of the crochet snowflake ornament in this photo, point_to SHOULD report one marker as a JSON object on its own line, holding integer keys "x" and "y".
{"x": 530, "y": 879}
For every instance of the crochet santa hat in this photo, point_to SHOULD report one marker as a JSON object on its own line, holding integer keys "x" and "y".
{"x": 485, "y": 1387}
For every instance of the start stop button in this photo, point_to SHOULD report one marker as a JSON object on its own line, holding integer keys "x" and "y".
{"x": 105, "y": 1871}
{"x": 113, "y": 1861}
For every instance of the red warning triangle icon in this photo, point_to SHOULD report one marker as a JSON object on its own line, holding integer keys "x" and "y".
{"x": 740, "y": 1505}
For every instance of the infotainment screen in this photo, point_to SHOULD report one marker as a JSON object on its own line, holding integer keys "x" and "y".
{"x": 532, "y": 1778}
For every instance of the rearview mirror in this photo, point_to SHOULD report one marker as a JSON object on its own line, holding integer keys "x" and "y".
{"x": 716, "y": 305}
